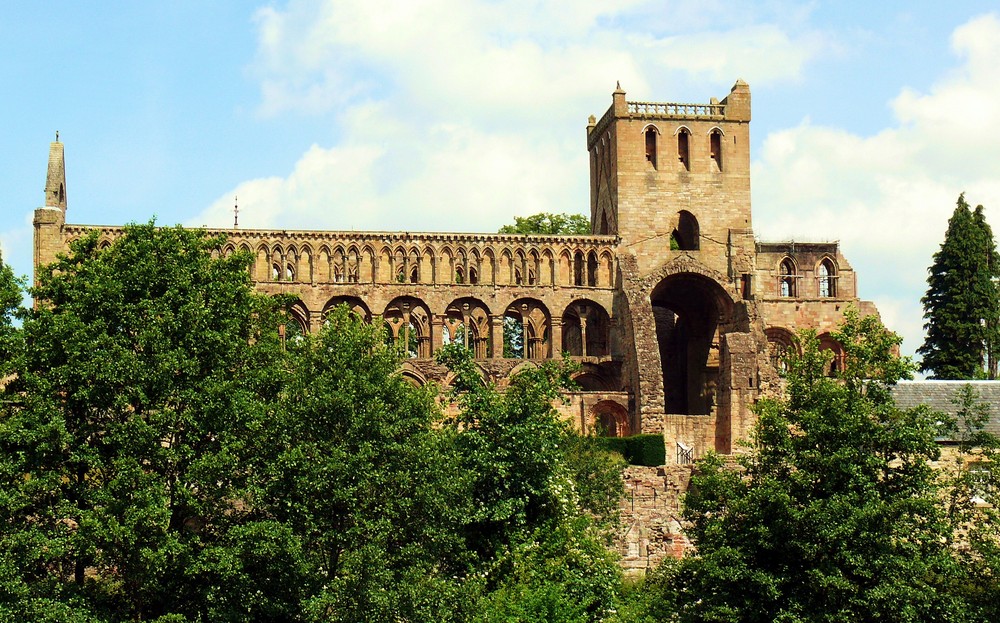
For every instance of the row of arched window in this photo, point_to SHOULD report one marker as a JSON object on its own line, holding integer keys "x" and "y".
{"x": 683, "y": 140}
{"x": 523, "y": 330}
{"x": 788, "y": 279}
{"x": 587, "y": 268}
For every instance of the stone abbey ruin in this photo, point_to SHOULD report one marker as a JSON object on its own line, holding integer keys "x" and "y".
{"x": 675, "y": 312}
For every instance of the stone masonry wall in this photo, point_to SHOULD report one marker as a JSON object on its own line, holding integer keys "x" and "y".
{"x": 651, "y": 526}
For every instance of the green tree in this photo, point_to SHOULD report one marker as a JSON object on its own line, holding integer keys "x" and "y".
{"x": 962, "y": 303}
{"x": 971, "y": 480}
{"x": 543, "y": 498}
{"x": 549, "y": 224}
{"x": 835, "y": 513}
{"x": 371, "y": 491}
{"x": 10, "y": 311}
{"x": 988, "y": 290}
{"x": 126, "y": 456}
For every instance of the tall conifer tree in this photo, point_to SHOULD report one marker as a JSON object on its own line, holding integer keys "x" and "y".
{"x": 988, "y": 286}
{"x": 960, "y": 307}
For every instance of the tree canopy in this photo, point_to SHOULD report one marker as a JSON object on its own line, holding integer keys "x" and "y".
{"x": 10, "y": 310}
{"x": 165, "y": 455}
{"x": 547, "y": 223}
{"x": 962, "y": 304}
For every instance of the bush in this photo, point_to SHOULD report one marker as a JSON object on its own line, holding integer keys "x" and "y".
{"x": 646, "y": 450}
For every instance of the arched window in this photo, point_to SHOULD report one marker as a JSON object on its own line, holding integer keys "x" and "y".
{"x": 827, "y": 279}
{"x": 836, "y": 364}
{"x": 786, "y": 278}
{"x": 683, "y": 151}
{"x": 578, "y": 269}
{"x": 715, "y": 147}
{"x": 781, "y": 343}
{"x": 651, "y": 146}
{"x": 687, "y": 235}
{"x": 352, "y": 266}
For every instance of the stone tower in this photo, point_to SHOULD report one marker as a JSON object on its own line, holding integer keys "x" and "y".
{"x": 50, "y": 219}
{"x": 672, "y": 181}
{"x": 667, "y": 171}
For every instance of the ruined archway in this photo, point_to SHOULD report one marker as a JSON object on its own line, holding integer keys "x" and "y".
{"x": 353, "y": 303}
{"x": 467, "y": 322}
{"x": 610, "y": 419}
{"x": 689, "y": 310}
{"x": 585, "y": 329}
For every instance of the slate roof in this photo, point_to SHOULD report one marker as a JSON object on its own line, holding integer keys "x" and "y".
{"x": 938, "y": 396}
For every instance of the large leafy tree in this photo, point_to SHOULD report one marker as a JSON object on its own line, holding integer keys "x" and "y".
{"x": 548, "y": 223}
{"x": 962, "y": 303}
{"x": 125, "y": 458}
{"x": 164, "y": 456}
{"x": 835, "y": 513}
{"x": 543, "y": 499}
{"x": 370, "y": 489}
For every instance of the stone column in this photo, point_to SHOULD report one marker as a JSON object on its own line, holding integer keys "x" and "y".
{"x": 496, "y": 336}
{"x": 465, "y": 324}
{"x": 556, "y": 337}
{"x": 315, "y": 321}
{"x": 436, "y": 323}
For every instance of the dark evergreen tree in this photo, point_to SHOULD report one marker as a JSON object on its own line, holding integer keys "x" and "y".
{"x": 988, "y": 289}
{"x": 960, "y": 306}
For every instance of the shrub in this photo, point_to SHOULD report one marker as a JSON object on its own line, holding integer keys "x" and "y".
{"x": 646, "y": 450}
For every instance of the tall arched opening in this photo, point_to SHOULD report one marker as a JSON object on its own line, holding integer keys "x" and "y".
{"x": 689, "y": 310}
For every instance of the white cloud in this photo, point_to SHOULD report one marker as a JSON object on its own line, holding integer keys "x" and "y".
{"x": 888, "y": 196}
{"x": 482, "y": 59}
{"x": 459, "y": 114}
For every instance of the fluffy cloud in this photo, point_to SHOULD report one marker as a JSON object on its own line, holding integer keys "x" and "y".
{"x": 459, "y": 115}
{"x": 888, "y": 196}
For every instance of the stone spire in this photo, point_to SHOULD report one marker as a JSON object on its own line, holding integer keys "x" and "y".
{"x": 50, "y": 219}
{"x": 55, "y": 182}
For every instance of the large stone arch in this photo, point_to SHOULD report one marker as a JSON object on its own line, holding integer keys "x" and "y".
{"x": 534, "y": 325}
{"x": 689, "y": 309}
{"x": 409, "y": 322}
{"x": 467, "y": 320}
{"x": 297, "y": 323}
{"x": 715, "y": 352}
{"x": 780, "y": 343}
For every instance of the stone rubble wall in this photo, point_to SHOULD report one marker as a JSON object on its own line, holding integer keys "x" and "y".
{"x": 651, "y": 527}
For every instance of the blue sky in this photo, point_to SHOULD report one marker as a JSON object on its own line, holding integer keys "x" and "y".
{"x": 456, "y": 115}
